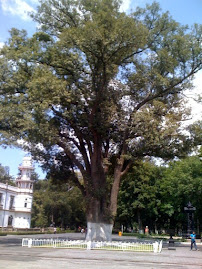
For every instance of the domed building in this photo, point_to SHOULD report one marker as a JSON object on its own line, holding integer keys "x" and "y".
{"x": 16, "y": 202}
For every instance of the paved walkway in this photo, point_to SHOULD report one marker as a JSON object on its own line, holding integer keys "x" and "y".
{"x": 13, "y": 256}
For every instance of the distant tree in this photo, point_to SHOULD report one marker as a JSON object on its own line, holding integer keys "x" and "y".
{"x": 4, "y": 175}
{"x": 195, "y": 130}
{"x": 58, "y": 204}
{"x": 39, "y": 218}
{"x": 181, "y": 182}
{"x": 34, "y": 177}
{"x": 137, "y": 200}
{"x": 95, "y": 84}
{"x": 156, "y": 196}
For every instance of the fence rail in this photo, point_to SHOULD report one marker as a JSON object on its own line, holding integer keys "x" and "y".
{"x": 80, "y": 244}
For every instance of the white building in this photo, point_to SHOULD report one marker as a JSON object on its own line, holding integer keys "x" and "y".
{"x": 16, "y": 202}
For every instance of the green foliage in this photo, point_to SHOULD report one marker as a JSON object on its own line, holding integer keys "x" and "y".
{"x": 5, "y": 177}
{"x": 161, "y": 193}
{"x": 58, "y": 204}
{"x": 181, "y": 183}
{"x": 3, "y": 234}
{"x": 138, "y": 194}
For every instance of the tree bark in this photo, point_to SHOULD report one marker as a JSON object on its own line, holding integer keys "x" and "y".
{"x": 115, "y": 190}
{"x": 139, "y": 222}
{"x": 99, "y": 224}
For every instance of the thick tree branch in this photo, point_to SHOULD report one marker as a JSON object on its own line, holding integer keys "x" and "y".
{"x": 72, "y": 157}
{"x": 79, "y": 135}
{"x": 77, "y": 182}
{"x": 127, "y": 168}
{"x": 165, "y": 91}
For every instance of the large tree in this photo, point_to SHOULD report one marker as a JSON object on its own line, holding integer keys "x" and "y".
{"x": 95, "y": 88}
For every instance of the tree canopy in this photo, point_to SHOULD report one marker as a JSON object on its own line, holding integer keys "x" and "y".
{"x": 58, "y": 205}
{"x": 95, "y": 88}
{"x": 156, "y": 195}
{"x": 5, "y": 177}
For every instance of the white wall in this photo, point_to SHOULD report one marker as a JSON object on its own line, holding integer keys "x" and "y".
{"x": 21, "y": 214}
{"x": 22, "y": 203}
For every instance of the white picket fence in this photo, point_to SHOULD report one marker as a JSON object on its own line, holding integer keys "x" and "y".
{"x": 80, "y": 244}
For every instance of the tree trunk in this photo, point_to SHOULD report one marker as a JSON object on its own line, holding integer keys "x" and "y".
{"x": 139, "y": 222}
{"x": 101, "y": 209}
{"x": 155, "y": 228}
{"x": 100, "y": 216}
{"x": 115, "y": 187}
{"x": 114, "y": 192}
{"x": 99, "y": 231}
{"x": 99, "y": 224}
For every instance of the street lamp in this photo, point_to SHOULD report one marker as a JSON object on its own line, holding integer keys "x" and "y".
{"x": 189, "y": 209}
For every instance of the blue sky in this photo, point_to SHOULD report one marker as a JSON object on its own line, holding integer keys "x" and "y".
{"x": 13, "y": 13}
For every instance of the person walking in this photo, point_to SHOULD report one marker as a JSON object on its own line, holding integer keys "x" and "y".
{"x": 193, "y": 240}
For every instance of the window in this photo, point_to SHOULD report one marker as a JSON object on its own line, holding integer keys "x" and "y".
{"x": 11, "y": 202}
{"x": 10, "y": 220}
{"x": 25, "y": 204}
{"x": 1, "y": 200}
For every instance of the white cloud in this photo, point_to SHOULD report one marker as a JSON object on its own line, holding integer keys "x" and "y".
{"x": 17, "y": 7}
{"x": 197, "y": 107}
{"x": 34, "y": 1}
{"x": 131, "y": 5}
{"x": 125, "y": 5}
{"x": 198, "y": 82}
{"x": 1, "y": 44}
{"x": 192, "y": 96}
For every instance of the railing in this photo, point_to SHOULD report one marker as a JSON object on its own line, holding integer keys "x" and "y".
{"x": 80, "y": 244}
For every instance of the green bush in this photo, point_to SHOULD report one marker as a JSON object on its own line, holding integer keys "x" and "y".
{"x": 3, "y": 234}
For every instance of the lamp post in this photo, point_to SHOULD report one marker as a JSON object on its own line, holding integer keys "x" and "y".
{"x": 189, "y": 209}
